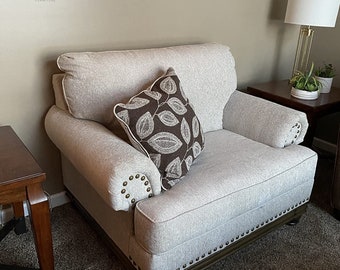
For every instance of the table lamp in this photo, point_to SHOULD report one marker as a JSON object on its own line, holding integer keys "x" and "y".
{"x": 309, "y": 13}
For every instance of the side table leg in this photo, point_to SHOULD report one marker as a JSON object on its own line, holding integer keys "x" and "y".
{"x": 40, "y": 219}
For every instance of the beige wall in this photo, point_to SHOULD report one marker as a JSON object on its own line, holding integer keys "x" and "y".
{"x": 34, "y": 32}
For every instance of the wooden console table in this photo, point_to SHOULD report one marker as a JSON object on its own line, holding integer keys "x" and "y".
{"x": 279, "y": 92}
{"x": 20, "y": 180}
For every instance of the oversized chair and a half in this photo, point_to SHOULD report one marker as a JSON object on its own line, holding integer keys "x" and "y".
{"x": 173, "y": 164}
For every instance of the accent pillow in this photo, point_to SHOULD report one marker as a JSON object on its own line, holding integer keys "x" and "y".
{"x": 162, "y": 124}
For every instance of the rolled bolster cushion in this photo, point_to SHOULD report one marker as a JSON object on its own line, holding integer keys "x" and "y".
{"x": 264, "y": 121}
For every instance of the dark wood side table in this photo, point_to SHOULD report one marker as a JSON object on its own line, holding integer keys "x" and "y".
{"x": 279, "y": 92}
{"x": 20, "y": 180}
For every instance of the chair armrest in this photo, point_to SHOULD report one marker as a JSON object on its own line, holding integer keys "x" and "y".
{"x": 117, "y": 171}
{"x": 264, "y": 121}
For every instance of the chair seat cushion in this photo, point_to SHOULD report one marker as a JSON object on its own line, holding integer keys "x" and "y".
{"x": 232, "y": 176}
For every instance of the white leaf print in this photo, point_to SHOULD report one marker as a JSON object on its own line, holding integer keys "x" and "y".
{"x": 124, "y": 116}
{"x": 185, "y": 131}
{"x": 156, "y": 158}
{"x": 174, "y": 182}
{"x": 153, "y": 94}
{"x": 168, "y": 118}
{"x": 136, "y": 103}
{"x": 165, "y": 142}
{"x": 195, "y": 126}
{"x": 168, "y": 85}
{"x": 188, "y": 162}
{"x": 196, "y": 149}
{"x": 177, "y": 106}
{"x": 145, "y": 125}
{"x": 174, "y": 168}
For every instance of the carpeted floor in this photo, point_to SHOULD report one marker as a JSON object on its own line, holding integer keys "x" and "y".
{"x": 314, "y": 243}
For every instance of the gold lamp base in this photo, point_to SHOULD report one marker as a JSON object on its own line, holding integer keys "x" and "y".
{"x": 303, "y": 49}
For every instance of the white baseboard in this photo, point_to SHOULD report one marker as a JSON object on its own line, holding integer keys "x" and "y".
{"x": 58, "y": 199}
{"x": 324, "y": 145}
{"x": 55, "y": 200}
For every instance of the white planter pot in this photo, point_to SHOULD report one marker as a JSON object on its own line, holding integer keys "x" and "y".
{"x": 302, "y": 94}
{"x": 326, "y": 84}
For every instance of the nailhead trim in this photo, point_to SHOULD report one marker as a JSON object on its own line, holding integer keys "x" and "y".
{"x": 137, "y": 177}
{"x": 222, "y": 246}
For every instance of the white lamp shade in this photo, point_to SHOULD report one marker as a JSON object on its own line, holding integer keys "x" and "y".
{"x": 312, "y": 12}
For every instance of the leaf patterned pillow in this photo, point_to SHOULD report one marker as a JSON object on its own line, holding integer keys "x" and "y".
{"x": 162, "y": 124}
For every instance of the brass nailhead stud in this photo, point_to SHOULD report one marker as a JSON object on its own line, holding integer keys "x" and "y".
{"x": 131, "y": 177}
{"x": 137, "y": 176}
{"x": 127, "y": 196}
{"x": 148, "y": 189}
{"x": 123, "y": 191}
{"x": 146, "y": 183}
{"x": 143, "y": 178}
{"x": 124, "y": 183}
{"x": 150, "y": 195}
{"x": 133, "y": 201}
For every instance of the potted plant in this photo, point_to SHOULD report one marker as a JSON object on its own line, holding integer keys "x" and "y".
{"x": 305, "y": 85}
{"x": 325, "y": 76}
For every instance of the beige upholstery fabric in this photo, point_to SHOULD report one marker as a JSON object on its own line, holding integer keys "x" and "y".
{"x": 239, "y": 183}
{"x": 103, "y": 159}
{"x": 58, "y": 91}
{"x": 220, "y": 237}
{"x": 207, "y": 74}
{"x": 223, "y": 183}
{"x": 264, "y": 121}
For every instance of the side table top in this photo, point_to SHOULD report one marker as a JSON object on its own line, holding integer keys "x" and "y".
{"x": 16, "y": 162}
{"x": 279, "y": 91}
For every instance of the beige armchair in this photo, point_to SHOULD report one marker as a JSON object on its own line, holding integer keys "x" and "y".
{"x": 249, "y": 175}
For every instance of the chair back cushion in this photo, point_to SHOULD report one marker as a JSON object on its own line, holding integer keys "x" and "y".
{"x": 96, "y": 81}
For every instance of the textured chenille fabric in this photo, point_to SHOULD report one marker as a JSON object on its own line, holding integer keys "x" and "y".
{"x": 162, "y": 124}
{"x": 95, "y": 81}
{"x": 232, "y": 176}
{"x": 250, "y": 174}
{"x": 264, "y": 121}
{"x": 103, "y": 159}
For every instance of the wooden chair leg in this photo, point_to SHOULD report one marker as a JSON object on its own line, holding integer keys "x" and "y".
{"x": 294, "y": 222}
